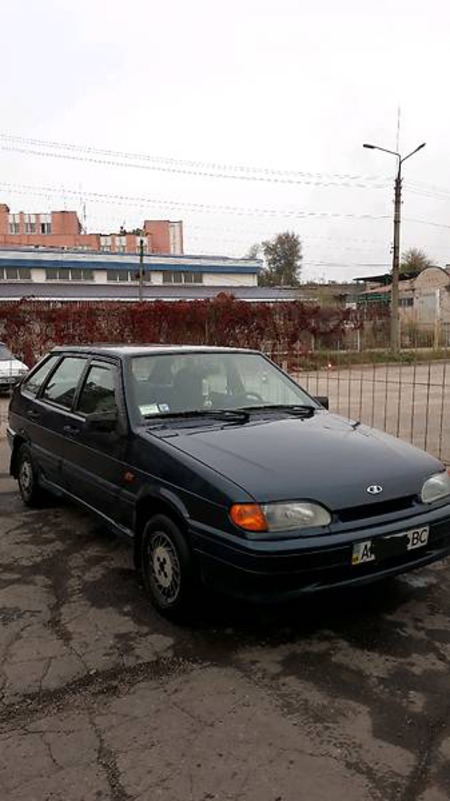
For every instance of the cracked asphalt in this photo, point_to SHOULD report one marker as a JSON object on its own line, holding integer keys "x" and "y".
{"x": 344, "y": 696}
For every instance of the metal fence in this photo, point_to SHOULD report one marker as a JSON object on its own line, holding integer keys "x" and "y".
{"x": 409, "y": 398}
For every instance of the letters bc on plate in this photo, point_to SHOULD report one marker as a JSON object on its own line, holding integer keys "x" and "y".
{"x": 366, "y": 551}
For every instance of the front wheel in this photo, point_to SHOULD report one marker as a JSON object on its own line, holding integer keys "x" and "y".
{"x": 30, "y": 491}
{"x": 167, "y": 568}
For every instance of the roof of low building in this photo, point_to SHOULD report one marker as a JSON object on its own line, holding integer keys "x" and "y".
{"x": 66, "y": 258}
{"x": 91, "y": 291}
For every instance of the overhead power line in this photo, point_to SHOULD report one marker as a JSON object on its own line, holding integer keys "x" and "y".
{"x": 144, "y": 202}
{"x": 117, "y": 158}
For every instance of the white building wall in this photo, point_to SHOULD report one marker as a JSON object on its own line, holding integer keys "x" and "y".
{"x": 230, "y": 279}
{"x": 209, "y": 279}
{"x": 176, "y": 238}
{"x": 37, "y": 274}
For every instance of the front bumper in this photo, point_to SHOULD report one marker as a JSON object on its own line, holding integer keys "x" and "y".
{"x": 9, "y": 381}
{"x": 282, "y": 569}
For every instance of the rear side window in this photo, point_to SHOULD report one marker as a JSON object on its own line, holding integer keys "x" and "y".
{"x": 98, "y": 394}
{"x": 63, "y": 383}
{"x": 33, "y": 384}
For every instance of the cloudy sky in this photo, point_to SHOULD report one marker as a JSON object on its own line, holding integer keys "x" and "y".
{"x": 257, "y": 106}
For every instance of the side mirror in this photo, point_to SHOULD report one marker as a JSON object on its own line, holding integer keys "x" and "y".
{"x": 101, "y": 421}
{"x": 323, "y": 400}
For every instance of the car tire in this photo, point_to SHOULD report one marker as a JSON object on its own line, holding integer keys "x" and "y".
{"x": 167, "y": 569}
{"x": 30, "y": 491}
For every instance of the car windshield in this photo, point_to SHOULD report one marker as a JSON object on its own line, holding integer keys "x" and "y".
{"x": 177, "y": 383}
{"x": 5, "y": 354}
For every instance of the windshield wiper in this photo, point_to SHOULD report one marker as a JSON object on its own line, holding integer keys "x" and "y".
{"x": 232, "y": 415}
{"x": 299, "y": 409}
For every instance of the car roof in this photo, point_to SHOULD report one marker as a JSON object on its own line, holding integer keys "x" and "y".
{"x": 124, "y": 351}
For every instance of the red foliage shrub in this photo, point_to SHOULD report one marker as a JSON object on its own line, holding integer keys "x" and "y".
{"x": 30, "y": 328}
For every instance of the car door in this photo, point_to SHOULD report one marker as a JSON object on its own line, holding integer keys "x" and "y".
{"x": 45, "y": 403}
{"x": 94, "y": 459}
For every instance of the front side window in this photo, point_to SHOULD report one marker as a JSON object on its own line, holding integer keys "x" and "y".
{"x": 33, "y": 384}
{"x": 98, "y": 392}
{"x": 62, "y": 385}
{"x": 196, "y": 381}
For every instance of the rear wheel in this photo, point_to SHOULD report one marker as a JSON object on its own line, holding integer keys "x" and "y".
{"x": 30, "y": 491}
{"x": 167, "y": 568}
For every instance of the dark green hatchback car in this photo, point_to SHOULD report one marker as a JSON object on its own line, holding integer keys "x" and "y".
{"x": 221, "y": 470}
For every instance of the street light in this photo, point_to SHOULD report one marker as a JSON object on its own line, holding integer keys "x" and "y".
{"x": 396, "y": 248}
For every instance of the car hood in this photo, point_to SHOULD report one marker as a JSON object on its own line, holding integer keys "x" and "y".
{"x": 324, "y": 458}
{"x": 11, "y": 366}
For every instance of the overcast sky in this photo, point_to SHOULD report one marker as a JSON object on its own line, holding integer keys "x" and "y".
{"x": 265, "y": 84}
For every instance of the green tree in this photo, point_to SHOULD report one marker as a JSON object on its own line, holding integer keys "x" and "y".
{"x": 414, "y": 260}
{"x": 283, "y": 256}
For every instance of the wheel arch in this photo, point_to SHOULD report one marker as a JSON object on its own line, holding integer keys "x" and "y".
{"x": 13, "y": 462}
{"x": 153, "y": 502}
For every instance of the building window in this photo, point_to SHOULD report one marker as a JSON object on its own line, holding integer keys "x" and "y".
{"x": 30, "y": 223}
{"x": 120, "y": 244}
{"x": 179, "y": 277}
{"x": 105, "y": 244}
{"x": 118, "y": 275}
{"x": 15, "y": 274}
{"x": 45, "y": 223}
{"x": 138, "y": 244}
{"x": 75, "y": 274}
{"x": 14, "y": 223}
{"x": 406, "y": 303}
{"x": 81, "y": 274}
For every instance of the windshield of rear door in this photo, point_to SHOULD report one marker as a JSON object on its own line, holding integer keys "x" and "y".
{"x": 174, "y": 383}
{"x": 5, "y": 354}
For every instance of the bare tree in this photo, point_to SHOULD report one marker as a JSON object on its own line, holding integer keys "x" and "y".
{"x": 414, "y": 260}
{"x": 253, "y": 251}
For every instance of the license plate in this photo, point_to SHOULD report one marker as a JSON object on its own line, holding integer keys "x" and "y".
{"x": 391, "y": 545}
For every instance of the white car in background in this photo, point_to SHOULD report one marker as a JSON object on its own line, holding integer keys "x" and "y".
{"x": 11, "y": 369}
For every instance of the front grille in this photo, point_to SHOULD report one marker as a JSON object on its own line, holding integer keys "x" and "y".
{"x": 376, "y": 509}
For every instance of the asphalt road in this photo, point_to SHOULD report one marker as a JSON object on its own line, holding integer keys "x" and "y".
{"x": 344, "y": 696}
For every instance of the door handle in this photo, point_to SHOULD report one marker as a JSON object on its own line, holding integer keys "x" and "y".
{"x": 32, "y": 413}
{"x": 71, "y": 430}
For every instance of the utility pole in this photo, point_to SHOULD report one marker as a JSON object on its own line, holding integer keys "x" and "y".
{"x": 141, "y": 270}
{"x": 395, "y": 340}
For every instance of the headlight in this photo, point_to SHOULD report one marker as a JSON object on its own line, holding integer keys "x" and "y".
{"x": 436, "y": 487}
{"x": 279, "y": 516}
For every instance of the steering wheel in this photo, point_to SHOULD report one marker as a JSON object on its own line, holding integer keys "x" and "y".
{"x": 248, "y": 396}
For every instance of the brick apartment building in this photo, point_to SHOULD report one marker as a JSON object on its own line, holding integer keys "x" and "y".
{"x": 63, "y": 229}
